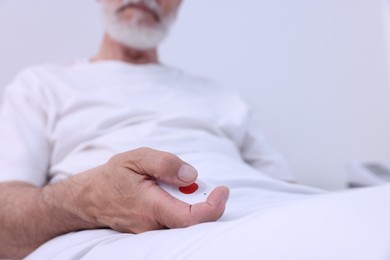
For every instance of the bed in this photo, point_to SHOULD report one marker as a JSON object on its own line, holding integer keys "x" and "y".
{"x": 343, "y": 225}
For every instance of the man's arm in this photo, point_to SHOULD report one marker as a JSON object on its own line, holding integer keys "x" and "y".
{"x": 27, "y": 221}
{"x": 121, "y": 194}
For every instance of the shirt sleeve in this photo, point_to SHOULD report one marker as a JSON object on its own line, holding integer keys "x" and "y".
{"x": 24, "y": 146}
{"x": 259, "y": 153}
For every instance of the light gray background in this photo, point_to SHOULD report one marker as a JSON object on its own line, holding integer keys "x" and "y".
{"x": 315, "y": 71}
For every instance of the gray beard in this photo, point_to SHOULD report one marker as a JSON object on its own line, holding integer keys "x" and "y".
{"x": 133, "y": 34}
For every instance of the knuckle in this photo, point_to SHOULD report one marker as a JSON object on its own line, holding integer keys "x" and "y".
{"x": 166, "y": 161}
{"x": 143, "y": 150}
{"x": 116, "y": 159}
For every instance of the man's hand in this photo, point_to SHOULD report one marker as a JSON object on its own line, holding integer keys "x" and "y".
{"x": 121, "y": 194}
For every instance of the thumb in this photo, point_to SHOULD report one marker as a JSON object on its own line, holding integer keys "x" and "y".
{"x": 159, "y": 165}
{"x": 174, "y": 213}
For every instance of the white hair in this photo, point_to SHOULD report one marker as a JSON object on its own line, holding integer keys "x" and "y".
{"x": 134, "y": 34}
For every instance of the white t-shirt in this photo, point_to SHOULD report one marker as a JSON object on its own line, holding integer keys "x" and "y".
{"x": 60, "y": 120}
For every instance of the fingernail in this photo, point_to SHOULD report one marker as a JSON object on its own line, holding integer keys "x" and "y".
{"x": 187, "y": 173}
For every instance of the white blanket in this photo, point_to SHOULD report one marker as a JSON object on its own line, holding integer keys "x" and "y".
{"x": 347, "y": 225}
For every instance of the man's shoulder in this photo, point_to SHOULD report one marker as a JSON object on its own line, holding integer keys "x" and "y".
{"x": 35, "y": 78}
{"x": 44, "y": 68}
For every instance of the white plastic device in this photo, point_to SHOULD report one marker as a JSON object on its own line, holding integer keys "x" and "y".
{"x": 195, "y": 193}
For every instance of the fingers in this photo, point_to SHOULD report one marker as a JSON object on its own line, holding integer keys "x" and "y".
{"x": 174, "y": 213}
{"x": 212, "y": 209}
{"x": 159, "y": 165}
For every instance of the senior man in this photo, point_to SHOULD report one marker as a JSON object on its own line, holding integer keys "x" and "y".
{"x": 71, "y": 170}
{"x": 60, "y": 120}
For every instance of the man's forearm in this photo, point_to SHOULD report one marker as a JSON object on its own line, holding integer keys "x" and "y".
{"x": 28, "y": 220}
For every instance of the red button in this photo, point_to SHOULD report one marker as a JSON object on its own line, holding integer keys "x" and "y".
{"x": 189, "y": 189}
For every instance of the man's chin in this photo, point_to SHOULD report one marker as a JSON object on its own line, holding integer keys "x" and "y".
{"x": 137, "y": 31}
{"x": 138, "y": 40}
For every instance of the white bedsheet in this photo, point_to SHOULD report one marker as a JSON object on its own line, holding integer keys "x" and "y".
{"x": 345, "y": 225}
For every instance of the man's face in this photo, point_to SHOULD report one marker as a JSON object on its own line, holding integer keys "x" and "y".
{"x": 140, "y": 24}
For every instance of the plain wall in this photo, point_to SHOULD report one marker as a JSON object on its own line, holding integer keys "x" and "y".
{"x": 314, "y": 71}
